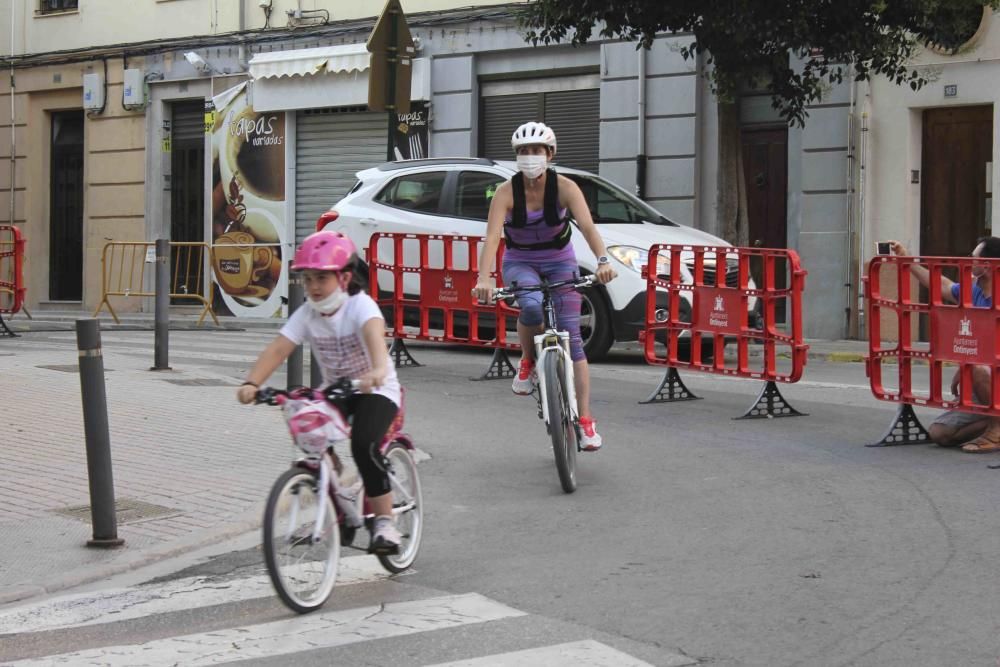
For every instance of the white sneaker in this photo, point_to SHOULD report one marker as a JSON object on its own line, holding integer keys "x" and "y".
{"x": 590, "y": 439}
{"x": 386, "y": 537}
{"x": 526, "y": 378}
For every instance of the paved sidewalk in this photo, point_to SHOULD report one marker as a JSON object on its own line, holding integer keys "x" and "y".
{"x": 202, "y": 462}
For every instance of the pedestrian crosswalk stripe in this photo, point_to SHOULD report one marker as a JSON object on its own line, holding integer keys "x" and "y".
{"x": 111, "y": 606}
{"x": 587, "y": 653}
{"x": 294, "y": 635}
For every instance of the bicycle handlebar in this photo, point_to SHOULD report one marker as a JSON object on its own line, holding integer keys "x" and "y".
{"x": 513, "y": 289}
{"x": 333, "y": 393}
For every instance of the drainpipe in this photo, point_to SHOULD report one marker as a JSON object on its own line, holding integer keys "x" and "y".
{"x": 862, "y": 229}
{"x": 640, "y": 158}
{"x": 13, "y": 130}
{"x": 243, "y": 26}
{"x": 850, "y": 245}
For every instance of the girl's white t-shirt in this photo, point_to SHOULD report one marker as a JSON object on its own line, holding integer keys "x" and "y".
{"x": 337, "y": 342}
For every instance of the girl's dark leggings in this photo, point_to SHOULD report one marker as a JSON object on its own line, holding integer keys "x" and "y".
{"x": 372, "y": 415}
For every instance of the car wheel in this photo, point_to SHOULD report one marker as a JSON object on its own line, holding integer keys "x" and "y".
{"x": 595, "y": 324}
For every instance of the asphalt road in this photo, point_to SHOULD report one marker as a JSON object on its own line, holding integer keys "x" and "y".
{"x": 693, "y": 537}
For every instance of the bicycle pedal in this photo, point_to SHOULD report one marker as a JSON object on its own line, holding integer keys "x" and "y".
{"x": 383, "y": 550}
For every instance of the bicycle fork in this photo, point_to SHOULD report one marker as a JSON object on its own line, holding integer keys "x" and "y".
{"x": 555, "y": 342}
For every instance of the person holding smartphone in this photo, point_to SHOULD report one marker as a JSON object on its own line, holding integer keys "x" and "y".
{"x": 975, "y": 433}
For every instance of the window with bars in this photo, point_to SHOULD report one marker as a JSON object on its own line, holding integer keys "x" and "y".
{"x": 49, "y": 6}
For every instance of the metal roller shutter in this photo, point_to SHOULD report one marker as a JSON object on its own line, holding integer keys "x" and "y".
{"x": 573, "y": 114}
{"x": 331, "y": 147}
{"x": 188, "y": 122}
{"x": 501, "y": 115}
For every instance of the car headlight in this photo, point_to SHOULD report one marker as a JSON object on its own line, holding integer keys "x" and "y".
{"x": 636, "y": 258}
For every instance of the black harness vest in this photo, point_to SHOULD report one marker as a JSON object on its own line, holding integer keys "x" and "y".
{"x": 550, "y": 209}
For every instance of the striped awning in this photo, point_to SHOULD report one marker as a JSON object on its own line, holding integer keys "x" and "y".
{"x": 306, "y": 62}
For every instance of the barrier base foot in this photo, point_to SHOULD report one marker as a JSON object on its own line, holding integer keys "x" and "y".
{"x": 671, "y": 389}
{"x": 906, "y": 429}
{"x": 400, "y": 355}
{"x": 770, "y": 404}
{"x": 500, "y": 367}
{"x": 6, "y": 331}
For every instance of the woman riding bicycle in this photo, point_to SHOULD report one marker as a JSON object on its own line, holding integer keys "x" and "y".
{"x": 531, "y": 211}
{"x": 346, "y": 330}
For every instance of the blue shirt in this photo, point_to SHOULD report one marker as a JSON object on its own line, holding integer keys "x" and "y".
{"x": 979, "y": 298}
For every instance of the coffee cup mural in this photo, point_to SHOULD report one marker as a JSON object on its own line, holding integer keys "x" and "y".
{"x": 248, "y": 200}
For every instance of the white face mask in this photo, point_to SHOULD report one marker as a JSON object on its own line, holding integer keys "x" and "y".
{"x": 532, "y": 166}
{"x": 330, "y": 304}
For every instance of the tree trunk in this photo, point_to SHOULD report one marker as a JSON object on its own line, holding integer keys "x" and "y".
{"x": 731, "y": 201}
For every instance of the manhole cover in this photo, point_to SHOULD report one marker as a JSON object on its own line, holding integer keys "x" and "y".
{"x": 68, "y": 368}
{"x": 126, "y": 511}
{"x": 202, "y": 382}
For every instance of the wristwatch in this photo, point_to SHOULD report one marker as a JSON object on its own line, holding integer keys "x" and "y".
{"x": 603, "y": 259}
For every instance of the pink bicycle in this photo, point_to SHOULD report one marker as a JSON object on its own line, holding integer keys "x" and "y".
{"x": 318, "y": 505}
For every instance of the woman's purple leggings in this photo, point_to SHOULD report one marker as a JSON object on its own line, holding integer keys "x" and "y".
{"x": 566, "y": 299}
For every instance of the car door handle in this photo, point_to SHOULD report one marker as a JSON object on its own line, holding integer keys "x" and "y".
{"x": 367, "y": 222}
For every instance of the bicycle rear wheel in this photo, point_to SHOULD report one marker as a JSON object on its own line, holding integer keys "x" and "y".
{"x": 407, "y": 505}
{"x": 303, "y": 568}
{"x": 560, "y": 423}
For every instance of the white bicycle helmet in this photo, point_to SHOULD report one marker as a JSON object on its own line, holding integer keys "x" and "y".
{"x": 533, "y": 133}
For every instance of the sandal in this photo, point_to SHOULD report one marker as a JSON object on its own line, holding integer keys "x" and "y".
{"x": 981, "y": 444}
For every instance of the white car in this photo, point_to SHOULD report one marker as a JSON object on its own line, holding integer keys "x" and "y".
{"x": 452, "y": 196}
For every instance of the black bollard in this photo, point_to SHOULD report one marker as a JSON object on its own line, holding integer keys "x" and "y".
{"x": 95, "y": 426}
{"x": 161, "y": 326}
{"x": 293, "y": 367}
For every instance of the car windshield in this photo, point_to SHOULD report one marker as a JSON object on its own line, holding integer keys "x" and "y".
{"x": 610, "y": 204}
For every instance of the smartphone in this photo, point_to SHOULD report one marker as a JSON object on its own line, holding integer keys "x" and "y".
{"x": 883, "y": 248}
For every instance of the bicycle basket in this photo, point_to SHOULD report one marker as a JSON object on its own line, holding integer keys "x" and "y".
{"x": 314, "y": 424}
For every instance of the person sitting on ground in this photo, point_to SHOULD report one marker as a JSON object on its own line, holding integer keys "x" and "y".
{"x": 975, "y": 433}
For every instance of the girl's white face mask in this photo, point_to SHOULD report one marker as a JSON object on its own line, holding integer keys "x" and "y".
{"x": 532, "y": 166}
{"x": 331, "y": 303}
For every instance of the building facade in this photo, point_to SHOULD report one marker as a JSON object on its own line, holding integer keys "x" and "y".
{"x": 643, "y": 119}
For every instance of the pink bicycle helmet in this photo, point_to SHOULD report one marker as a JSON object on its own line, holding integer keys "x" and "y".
{"x": 324, "y": 251}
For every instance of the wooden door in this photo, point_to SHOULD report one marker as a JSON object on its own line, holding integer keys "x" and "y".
{"x": 957, "y": 144}
{"x": 765, "y": 168}
{"x": 66, "y": 207}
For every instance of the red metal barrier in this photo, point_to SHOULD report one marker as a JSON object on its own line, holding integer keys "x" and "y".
{"x": 426, "y": 281}
{"x": 718, "y": 310}
{"x": 958, "y": 335}
{"x": 11, "y": 273}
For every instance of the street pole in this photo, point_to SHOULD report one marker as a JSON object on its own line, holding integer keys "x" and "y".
{"x": 390, "y": 95}
{"x": 293, "y": 367}
{"x": 161, "y": 321}
{"x": 95, "y": 426}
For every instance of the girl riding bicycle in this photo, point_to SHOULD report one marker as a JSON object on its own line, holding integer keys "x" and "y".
{"x": 531, "y": 211}
{"x": 346, "y": 330}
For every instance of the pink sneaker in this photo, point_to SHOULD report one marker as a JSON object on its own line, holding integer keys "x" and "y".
{"x": 526, "y": 378}
{"x": 591, "y": 440}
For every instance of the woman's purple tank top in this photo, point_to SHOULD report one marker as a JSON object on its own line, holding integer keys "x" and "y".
{"x": 536, "y": 231}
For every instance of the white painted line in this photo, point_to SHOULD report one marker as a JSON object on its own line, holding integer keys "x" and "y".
{"x": 111, "y": 606}
{"x": 294, "y": 635}
{"x": 587, "y": 653}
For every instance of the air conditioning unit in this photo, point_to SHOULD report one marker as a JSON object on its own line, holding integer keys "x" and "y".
{"x": 93, "y": 92}
{"x": 134, "y": 94}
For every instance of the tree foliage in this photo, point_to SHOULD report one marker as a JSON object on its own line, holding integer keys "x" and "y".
{"x": 792, "y": 48}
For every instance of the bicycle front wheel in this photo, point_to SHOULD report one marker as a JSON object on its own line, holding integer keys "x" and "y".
{"x": 407, "y": 505}
{"x": 560, "y": 422}
{"x": 301, "y": 560}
